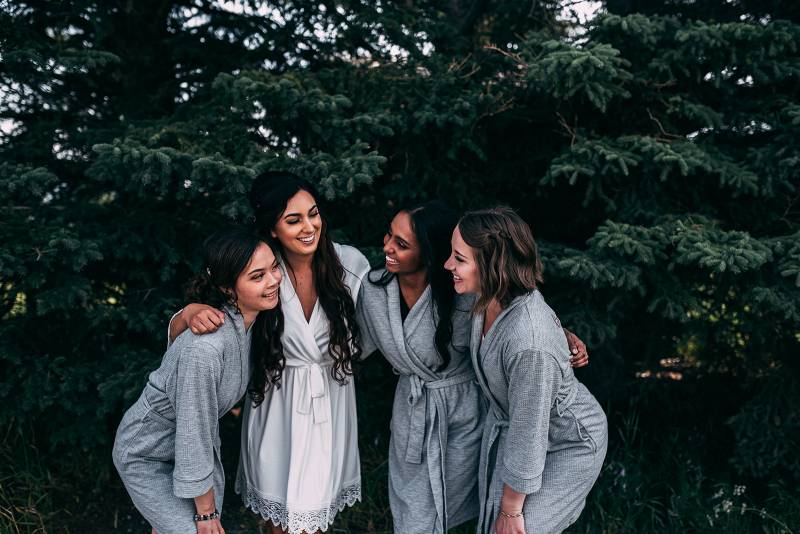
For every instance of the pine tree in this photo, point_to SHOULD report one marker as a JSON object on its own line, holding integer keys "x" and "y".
{"x": 655, "y": 156}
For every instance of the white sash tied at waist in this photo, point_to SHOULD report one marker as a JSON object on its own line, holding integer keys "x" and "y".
{"x": 313, "y": 394}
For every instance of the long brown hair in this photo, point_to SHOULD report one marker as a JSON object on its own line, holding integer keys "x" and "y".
{"x": 269, "y": 196}
{"x": 505, "y": 252}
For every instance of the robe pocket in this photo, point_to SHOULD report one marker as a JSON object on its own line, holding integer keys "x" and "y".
{"x": 155, "y": 440}
{"x": 567, "y": 430}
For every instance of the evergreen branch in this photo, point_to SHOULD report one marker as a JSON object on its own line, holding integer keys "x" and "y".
{"x": 570, "y": 130}
{"x": 661, "y": 127}
{"x": 515, "y": 57}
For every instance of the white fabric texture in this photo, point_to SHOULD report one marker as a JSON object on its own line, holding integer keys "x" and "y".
{"x": 299, "y": 462}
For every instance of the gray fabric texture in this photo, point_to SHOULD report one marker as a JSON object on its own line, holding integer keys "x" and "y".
{"x": 167, "y": 447}
{"x": 545, "y": 434}
{"x": 437, "y": 415}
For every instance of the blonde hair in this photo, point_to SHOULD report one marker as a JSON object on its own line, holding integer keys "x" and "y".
{"x": 505, "y": 252}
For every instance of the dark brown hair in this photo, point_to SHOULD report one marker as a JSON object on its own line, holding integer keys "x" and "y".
{"x": 433, "y": 223}
{"x": 225, "y": 255}
{"x": 269, "y": 195}
{"x": 505, "y": 253}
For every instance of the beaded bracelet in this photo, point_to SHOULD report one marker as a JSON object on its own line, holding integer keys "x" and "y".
{"x": 206, "y": 517}
{"x": 511, "y": 516}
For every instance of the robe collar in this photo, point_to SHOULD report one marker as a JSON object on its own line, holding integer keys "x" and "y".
{"x": 402, "y": 330}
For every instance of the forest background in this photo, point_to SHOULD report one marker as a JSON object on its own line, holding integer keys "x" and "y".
{"x": 652, "y": 145}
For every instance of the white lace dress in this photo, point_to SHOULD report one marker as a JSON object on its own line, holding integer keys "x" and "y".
{"x": 299, "y": 461}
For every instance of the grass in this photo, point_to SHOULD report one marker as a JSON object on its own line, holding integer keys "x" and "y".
{"x": 656, "y": 478}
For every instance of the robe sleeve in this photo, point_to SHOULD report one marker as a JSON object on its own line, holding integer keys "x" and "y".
{"x": 368, "y": 345}
{"x": 196, "y": 419}
{"x": 533, "y": 380}
{"x": 169, "y": 326}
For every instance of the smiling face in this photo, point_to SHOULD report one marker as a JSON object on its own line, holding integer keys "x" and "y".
{"x": 299, "y": 226}
{"x": 462, "y": 265}
{"x": 401, "y": 246}
{"x": 257, "y": 286}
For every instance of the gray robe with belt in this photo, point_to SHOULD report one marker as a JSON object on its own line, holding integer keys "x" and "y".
{"x": 167, "y": 447}
{"x": 437, "y": 417}
{"x": 545, "y": 434}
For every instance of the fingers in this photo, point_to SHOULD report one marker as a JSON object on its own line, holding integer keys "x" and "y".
{"x": 582, "y": 361}
{"x": 210, "y": 527}
{"x": 215, "y": 317}
{"x": 580, "y": 358}
{"x": 206, "y": 321}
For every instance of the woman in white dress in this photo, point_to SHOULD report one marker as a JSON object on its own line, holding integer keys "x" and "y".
{"x": 299, "y": 462}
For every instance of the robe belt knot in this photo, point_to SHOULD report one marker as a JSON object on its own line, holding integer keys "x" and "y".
{"x": 419, "y": 407}
{"x": 313, "y": 394}
{"x": 563, "y": 402}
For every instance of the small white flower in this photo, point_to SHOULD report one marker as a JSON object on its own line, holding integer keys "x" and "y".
{"x": 739, "y": 490}
{"x": 727, "y": 505}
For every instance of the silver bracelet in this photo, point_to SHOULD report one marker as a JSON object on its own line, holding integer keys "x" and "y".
{"x": 511, "y": 516}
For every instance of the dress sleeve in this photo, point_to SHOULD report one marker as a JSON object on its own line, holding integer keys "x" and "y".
{"x": 196, "y": 419}
{"x": 533, "y": 380}
{"x": 169, "y": 326}
{"x": 368, "y": 345}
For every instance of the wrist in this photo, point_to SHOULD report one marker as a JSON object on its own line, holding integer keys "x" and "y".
{"x": 205, "y": 508}
{"x": 208, "y": 516}
{"x": 187, "y": 313}
{"x": 511, "y": 514}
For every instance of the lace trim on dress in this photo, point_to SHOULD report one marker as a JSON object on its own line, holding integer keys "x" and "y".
{"x": 297, "y": 521}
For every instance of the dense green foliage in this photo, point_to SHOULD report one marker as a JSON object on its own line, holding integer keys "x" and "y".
{"x": 656, "y": 156}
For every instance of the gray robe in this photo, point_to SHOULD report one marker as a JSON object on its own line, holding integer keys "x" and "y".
{"x": 437, "y": 417}
{"x": 167, "y": 447}
{"x": 545, "y": 434}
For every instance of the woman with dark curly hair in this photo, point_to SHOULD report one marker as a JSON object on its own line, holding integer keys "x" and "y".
{"x": 167, "y": 446}
{"x": 300, "y": 463}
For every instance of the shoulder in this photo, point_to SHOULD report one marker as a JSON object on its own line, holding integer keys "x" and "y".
{"x": 206, "y": 350}
{"x": 370, "y": 279}
{"x": 353, "y": 261}
{"x": 535, "y": 327}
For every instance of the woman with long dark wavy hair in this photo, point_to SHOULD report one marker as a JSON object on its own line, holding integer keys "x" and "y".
{"x": 299, "y": 458}
{"x": 167, "y": 446}
{"x": 411, "y": 313}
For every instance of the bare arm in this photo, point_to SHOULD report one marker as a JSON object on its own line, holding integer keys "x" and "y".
{"x": 205, "y": 505}
{"x": 510, "y": 520}
{"x": 200, "y": 318}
